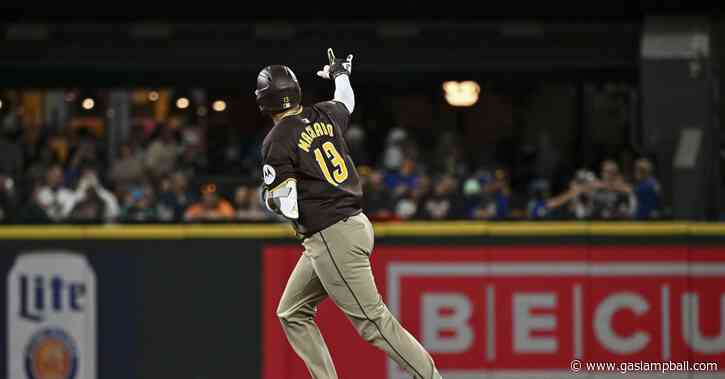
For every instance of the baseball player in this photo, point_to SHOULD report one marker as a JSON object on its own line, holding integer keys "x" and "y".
{"x": 310, "y": 179}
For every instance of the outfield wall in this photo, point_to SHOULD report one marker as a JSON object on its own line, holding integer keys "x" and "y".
{"x": 195, "y": 301}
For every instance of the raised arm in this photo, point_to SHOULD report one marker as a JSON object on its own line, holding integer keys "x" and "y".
{"x": 344, "y": 92}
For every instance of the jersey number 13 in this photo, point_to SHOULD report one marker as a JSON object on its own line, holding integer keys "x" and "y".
{"x": 339, "y": 169}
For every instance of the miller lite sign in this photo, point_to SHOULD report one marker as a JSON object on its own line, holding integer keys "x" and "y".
{"x": 51, "y": 317}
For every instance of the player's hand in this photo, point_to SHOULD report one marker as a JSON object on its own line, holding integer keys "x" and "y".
{"x": 336, "y": 67}
{"x": 268, "y": 202}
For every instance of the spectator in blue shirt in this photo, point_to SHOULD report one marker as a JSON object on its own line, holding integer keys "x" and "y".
{"x": 403, "y": 180}
{"x": 493, "y": 203}
{"x": 647, "y": 191}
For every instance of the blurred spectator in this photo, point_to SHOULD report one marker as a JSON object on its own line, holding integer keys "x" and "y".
{"x": 444, "y": 203}
{"x": 408, "y": 199}
{"x": 647, "y": 191}
{"x": 138, "y": 205}
{"x": 472, "y": 192}
{"x": 582, "y": 206}
{"x": 539, "y": 193}
{"x": 403, "y": 180}
{"x": 91, "y": 201}
{"x": 501, "y": 190}
{"x": 406, "y": 207}
{"x": 248, "y": 205}
{"x": 89, "y": 208}
{"x": 174, "y": 200}
{"x": 41, "y": 164}
{"x": 613, "y": 197}
{"x": 393, "y": 152}
{"x": 192, "y": 161}
{"x": 377, "y": 200}
{"x": 572, "y": 203}
{"x": 54, "y": 198}
{"x": 494, "y": 198}
{"x": 162, "y": 153}
{"x": 356, "y": 140}
{"x": 8, "y": 199}
{"x": 211, "y": 207}
{"x": 128, "y": 169}
{"x": 33, "y": 212}
{"x": 85, "y": 154}
{"x": 448, "y": 155}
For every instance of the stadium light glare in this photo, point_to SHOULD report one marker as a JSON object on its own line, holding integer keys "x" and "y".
{"x": 219, "y": 105}
{"x": 88, "y": 103}
{"x": 182, "y": 103}
{"x": 461, "y": 94}
{"x": 1, "y": 104}
{"x": 153, "y": 96}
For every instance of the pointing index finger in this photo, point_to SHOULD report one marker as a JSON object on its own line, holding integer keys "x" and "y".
{"x": 330, "y": 55}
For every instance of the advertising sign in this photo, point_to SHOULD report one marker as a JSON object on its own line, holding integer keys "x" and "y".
{"x": 531, "y": 311}
{"x": 51, "y": 317}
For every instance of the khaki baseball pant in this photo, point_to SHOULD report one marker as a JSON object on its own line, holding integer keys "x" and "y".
{"x": 336, "y": 263}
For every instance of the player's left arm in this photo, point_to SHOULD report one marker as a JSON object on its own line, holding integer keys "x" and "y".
{"x": 282, "y": 199}
{"x": 339, "y": 71}
{"x": 279, "y": 194}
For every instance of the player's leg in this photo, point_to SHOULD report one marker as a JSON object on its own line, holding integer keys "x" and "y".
{"x": 343, "y": 266}
{"x": 296, "y": 311}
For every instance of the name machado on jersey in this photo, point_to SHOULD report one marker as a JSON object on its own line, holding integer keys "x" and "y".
{"x": 309, "y": 148}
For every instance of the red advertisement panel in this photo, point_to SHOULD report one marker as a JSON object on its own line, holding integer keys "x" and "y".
{"x": 525, "y": 311}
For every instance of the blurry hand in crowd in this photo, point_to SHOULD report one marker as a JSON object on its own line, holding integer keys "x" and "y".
{"x": 620, "y": 185}
{"x": 612, "y": 178}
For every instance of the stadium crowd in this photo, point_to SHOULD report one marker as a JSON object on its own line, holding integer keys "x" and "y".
{"x": 158, "y": 176}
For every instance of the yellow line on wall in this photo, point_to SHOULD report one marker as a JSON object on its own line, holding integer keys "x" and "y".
{"x": 389, "y": 229}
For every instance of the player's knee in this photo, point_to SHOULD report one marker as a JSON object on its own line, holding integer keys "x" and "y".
{"x": 283, "y": 313}
{"x": 368, "y": 331}
{"x": 377, "y": 311}
{"x": 287, "y": 314}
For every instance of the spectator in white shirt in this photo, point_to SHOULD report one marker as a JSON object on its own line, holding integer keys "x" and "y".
{"x": 90, "y": 187}
{"x": 53, "y": 197}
